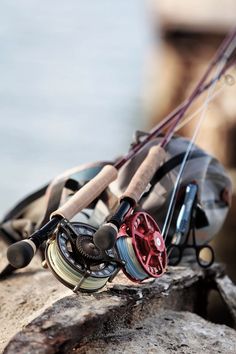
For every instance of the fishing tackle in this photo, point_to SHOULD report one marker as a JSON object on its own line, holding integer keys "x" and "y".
{"x": 185, "y": 228}
{"x": 85, "y": 258}
{"x": 106, "y": 236}
{"x": 75, "y": 261}
{"x": 141, "y": 246}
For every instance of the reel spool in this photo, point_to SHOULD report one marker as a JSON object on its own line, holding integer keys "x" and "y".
{"x": 76, "y": 261}
{"x": 141, "y": 246}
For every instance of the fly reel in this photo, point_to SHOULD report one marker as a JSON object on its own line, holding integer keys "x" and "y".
{"x": 76, "y": 261}
{"x": 141, "y": 247}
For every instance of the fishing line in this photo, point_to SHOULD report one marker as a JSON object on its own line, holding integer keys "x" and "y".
{"x": 229, "y": 80}
{"x": 211, "y": 89}
{"x": 199, "y": 110}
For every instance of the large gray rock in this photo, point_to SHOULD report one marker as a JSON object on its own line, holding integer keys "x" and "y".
{"x": 39, "y": 315}
{"x": 166, "y": 332}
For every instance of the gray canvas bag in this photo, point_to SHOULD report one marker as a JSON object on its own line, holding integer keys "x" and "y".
{"x": 214, "y": 193}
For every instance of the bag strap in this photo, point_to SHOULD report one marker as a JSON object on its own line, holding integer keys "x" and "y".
{"x": 16, "y": 211}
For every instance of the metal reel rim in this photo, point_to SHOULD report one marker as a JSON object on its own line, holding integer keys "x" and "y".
{"x": 71, "y": 264}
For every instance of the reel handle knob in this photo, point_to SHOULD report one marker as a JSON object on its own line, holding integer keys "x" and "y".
{"x": 21, "y": 253}
{"x": 105, "y": 237}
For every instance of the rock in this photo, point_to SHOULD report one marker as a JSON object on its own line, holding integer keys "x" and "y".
{"x": 39, "y": 315}
{"x": 228, "y": 292}
{"x": 76, "y": 320}
{"x": 24, "y": 296}
{"x": 166, "y": 332}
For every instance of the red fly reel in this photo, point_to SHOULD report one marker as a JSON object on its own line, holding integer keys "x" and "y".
{"x": 141, "y": 245}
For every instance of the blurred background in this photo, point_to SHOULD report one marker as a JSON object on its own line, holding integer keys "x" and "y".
{"x": 78, "y": 78}
{"x": 71, "y": 81}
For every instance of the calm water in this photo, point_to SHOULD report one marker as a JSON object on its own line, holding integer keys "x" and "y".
{"x": 70, "y": 86}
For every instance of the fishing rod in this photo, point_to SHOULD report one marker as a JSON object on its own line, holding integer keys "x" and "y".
{"x": 105, "y": 237}
{"x": 89, "y": 247}
{"x": 135, "y": 235}
{"x": 21, "y": 253}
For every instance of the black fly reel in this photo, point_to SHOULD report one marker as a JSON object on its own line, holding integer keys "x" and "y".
{"x": 76, "y": 261}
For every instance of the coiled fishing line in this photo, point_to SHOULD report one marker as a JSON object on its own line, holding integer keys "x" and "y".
{"x": 132, "y": 268}
{"x": 71, "y": 269}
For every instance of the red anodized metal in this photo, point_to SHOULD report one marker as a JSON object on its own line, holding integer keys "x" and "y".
{"x": 147, "y": 241}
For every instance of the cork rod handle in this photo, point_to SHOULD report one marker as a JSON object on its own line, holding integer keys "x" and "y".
{"x": 87, "y": 193}
{"x": 144, "y": 174}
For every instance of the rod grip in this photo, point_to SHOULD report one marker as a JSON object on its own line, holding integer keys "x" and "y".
{"x": 144, "y": 174}
{"x": 87, "y": 193}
